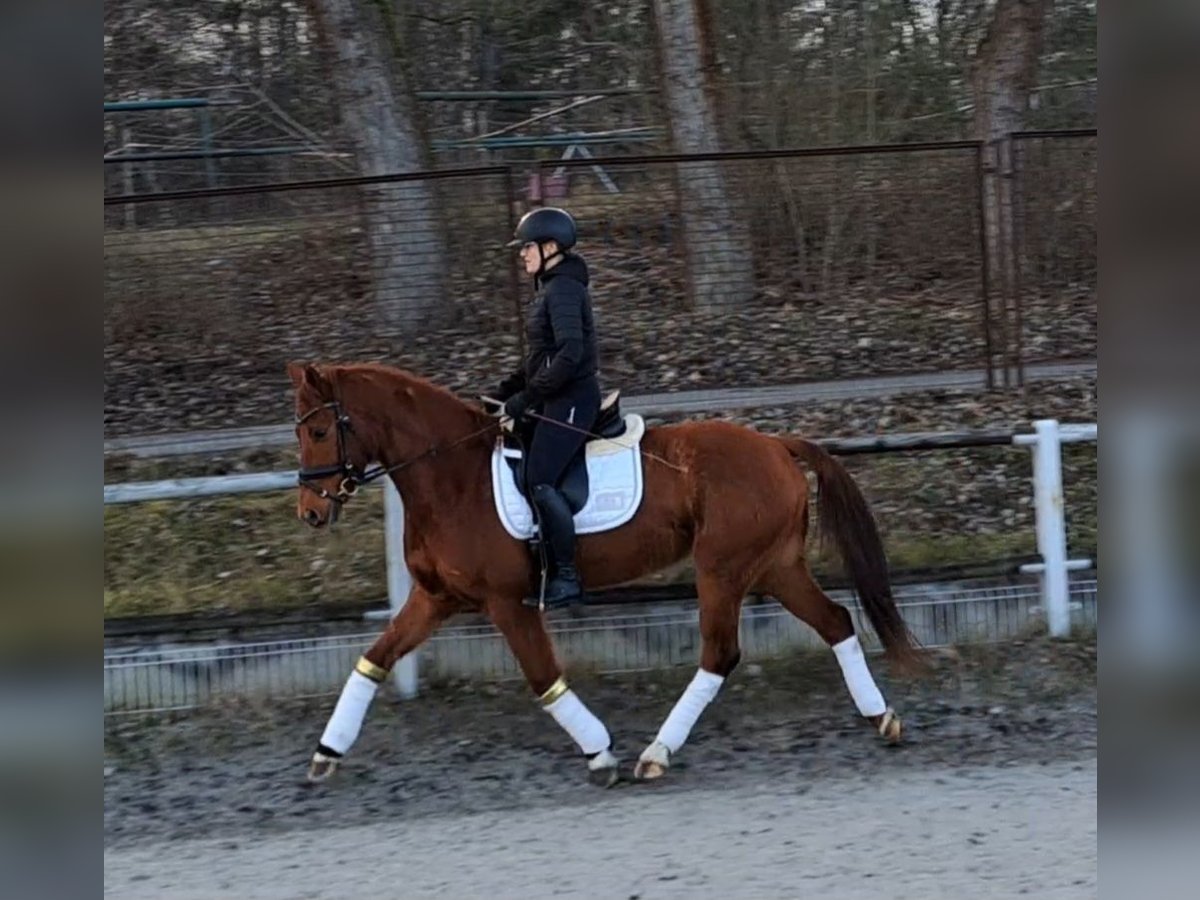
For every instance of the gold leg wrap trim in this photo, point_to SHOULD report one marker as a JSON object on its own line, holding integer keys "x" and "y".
{"x": 555, "y": 691}
{"x": 368, "y": 669}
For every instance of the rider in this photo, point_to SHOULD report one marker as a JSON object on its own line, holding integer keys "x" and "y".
{"x": 558, "y": 381}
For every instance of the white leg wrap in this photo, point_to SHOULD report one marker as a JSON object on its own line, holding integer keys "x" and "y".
{"x": 578, "y": 721}
{"x": 862, "y": 686}
{"x": 348, "y": 715}
{"x": 701, "y": 691}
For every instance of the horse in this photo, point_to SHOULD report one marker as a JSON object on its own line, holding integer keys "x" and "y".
{"x": 733, "y": 499}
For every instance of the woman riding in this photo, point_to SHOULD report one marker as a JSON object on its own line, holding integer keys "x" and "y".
{"x": 557, "y": 381}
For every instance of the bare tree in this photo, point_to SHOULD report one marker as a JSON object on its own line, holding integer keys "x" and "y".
{"x": 1006, "y": 64}
{"x": 379, "y": 113}
{"x": 718, "y": 245}
{"x": 1003, "y": 77}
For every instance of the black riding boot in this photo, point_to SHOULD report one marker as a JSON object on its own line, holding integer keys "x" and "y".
{"x": 557, "y": 526}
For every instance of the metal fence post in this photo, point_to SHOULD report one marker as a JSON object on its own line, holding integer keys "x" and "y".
{"x": 399, "y": 582}
{"x": 1051, "y": 525}
{"x": 1017, "y": 189}
{"x": 985, "y": 288}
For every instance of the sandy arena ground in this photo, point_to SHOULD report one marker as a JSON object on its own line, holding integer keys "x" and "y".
{"x": 470, "y": 791}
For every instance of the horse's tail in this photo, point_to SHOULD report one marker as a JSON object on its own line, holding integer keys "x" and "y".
{"x": 844, "y": 516}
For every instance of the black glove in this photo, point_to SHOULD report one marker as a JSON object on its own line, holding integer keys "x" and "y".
{"x": 509, "y": 386}
{"x": 515, "y": 406}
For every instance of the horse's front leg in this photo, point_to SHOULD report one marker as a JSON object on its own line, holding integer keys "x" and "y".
{"x": 525, "y": 632}
{"x": 418, "y": 619}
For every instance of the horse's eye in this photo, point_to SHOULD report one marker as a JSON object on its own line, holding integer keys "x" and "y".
{"x": 319, "y": 434}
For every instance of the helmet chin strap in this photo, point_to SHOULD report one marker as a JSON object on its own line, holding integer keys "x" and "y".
{"x": 542, "y": 260}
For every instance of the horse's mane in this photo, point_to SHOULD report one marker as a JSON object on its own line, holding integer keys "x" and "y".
{"x": 414, "y": 384}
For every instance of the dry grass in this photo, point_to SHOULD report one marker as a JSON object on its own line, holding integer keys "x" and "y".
{"x": 250, "y": 552}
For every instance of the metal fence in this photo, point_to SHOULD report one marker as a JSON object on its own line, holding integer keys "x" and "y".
{"x": 242, "y": 279}
{"x": 1056, "y": 211}
{"x": 811, "y": 221}
{"x": 784, "y": 265}
{"x": 990, "y": 614}
{"x": 750, "y": 268}
{"x": 144, "y": 679}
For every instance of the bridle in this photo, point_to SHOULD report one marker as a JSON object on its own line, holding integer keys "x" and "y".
{"x": 352, "y": 476}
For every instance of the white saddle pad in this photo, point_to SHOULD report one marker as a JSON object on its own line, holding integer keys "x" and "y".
{"x": 614, "y": 484}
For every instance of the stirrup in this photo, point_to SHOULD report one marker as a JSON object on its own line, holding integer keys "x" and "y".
{"x": 539, "y": 601}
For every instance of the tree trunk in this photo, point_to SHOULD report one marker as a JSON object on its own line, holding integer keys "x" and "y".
{"x": 833, "y": 223}
{"x": 379, "y": 113}
{"x": 871, "y": 195}
{"x": 1003, "y": 75}
{"x": 718, "y": 245}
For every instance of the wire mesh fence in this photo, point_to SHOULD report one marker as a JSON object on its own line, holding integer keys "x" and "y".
{"x": 1056, "y": 212}
{"x": 774, "y": 267}
{"x": 209, "y": 295}
{"x": 139, "y": 679}
{"x": 243, "y": 95}
{"x": 751, "y": 268}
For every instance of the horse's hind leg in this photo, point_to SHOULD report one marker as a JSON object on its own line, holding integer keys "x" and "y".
{"x": 525, "y": 631}
{"x": 422, "y": 613}
{"x": 720, "y": 611}
{"x": 800, "y": 595}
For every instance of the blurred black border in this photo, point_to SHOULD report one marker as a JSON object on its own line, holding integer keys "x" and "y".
{"x": 51, "y": 185}
{"x": 1149, "y": 384}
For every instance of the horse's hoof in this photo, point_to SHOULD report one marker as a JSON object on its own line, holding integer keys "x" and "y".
{"x": 602, "y": 769}
{"x": 603, "y": 778}
{"x": 653, "y": 763}
{"x": 649, "y": 771}
{"x": 321, "y": 767}
{"x": 890, "y": 728}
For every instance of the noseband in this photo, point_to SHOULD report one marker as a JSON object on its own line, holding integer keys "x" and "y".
{"x": 352, "y": 476}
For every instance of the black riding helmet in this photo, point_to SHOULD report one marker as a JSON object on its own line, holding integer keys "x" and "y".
{"x": 547, "y": 223}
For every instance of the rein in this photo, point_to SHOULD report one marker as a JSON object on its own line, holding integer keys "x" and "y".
{"x": 353, "y": 477}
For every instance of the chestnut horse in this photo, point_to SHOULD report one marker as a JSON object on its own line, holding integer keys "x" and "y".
{"x": 731, "y": 498}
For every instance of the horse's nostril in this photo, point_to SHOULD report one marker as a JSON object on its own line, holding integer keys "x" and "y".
{"x": 312, "y": 517}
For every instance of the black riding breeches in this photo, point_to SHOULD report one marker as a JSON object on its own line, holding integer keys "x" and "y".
{"x": 553, "y": 446}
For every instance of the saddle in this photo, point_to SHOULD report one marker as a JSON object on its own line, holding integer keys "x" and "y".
{"x": 603, "y": 484}
{"x": 610, "y": 426}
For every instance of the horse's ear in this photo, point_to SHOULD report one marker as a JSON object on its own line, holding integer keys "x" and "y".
{"x": 308, "y": 375}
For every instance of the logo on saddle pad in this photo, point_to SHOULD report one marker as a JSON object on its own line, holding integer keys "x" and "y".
{"x": 614, "y": 484}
